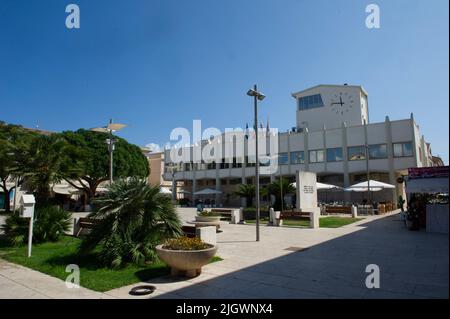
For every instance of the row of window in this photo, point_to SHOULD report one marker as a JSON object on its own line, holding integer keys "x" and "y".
{"x": 310, "y": 102}
{"x": 355, "y": 153}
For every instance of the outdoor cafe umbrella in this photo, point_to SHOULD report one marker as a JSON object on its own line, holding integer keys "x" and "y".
{"x": 164, "y": 190}
{"x": 208, "y": 191}
{"x": 321, "y": 186}
{"x": 374, "y": 186}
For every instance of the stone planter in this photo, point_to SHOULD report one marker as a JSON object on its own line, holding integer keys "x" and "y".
{"x": 207, "y": 219}
{"x": 187, "y": 262}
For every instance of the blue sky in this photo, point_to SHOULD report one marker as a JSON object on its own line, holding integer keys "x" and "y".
{"x": 156, "y": 65}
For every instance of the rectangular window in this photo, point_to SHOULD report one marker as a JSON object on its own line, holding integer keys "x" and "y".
{"x": 403, "y": 149}
{"x": 298, "y": 157}
{"x": 283, "y": 159}
{"x": 316, "y": 156}
{"x": 334, "y": 154}
{"x": 377, "y": 151}
{"x": 310, "y": 102}
{"x": 356, "y": 153}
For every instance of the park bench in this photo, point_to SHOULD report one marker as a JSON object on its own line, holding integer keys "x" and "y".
{"x": 293, "y": 214}
{"x": 338, "y": 210}
{"x": 85, "y": 224}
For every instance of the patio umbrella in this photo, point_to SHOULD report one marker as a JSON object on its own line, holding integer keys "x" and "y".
{"x": 208, "y": 191}
{"x": 164, "y": 190}
{"x": 374, "y": 186}
{"x": 321, "y": 186}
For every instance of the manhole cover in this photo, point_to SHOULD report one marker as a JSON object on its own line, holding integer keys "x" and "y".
{"x": 297, "y": 249}
{"x": 142, "y": 290}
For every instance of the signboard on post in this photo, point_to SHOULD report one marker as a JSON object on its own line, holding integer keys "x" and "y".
{"x": 27, "y": 203}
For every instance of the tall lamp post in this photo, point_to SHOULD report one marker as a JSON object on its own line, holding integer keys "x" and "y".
{"x": 110, "y": 129}
{"x": 256, "y": 96}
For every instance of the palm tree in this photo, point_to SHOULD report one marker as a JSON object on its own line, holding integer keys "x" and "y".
{"x": 246, "y": 191}
{"x": 275, "y": 188}
{"x": 133, "y": 217}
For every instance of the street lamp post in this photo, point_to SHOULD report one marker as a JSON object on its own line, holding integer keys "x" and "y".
{"x": 257, "y": 96}
{"x": 110, "y": 128}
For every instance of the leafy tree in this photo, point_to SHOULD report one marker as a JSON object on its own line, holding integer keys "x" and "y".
{"x": 275, "y": 188}
{"x": 133, "y": 217}
{"x": 90, "y": 160}
{"x": 246, "y": 191}
{"x": 14, "y": 143}
{"x": 44, "y": 163}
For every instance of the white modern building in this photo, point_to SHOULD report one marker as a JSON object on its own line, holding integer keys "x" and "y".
{"x": 332, "y": 136}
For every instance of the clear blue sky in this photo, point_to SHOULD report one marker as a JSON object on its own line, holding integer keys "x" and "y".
{"x": 156, "y": 65}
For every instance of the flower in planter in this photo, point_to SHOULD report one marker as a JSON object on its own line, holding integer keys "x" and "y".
{"x": 185, "y": 243}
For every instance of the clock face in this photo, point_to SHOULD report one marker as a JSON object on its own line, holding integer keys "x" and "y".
{"x": 342, "y": 102}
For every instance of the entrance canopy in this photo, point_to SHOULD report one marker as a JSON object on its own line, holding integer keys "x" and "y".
{"x": 373, "y": 186}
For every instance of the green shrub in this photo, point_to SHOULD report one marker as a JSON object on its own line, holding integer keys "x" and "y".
{"x": 133, "y": 218}
{"x": 186, "y": 243}
{"x": 50, "y": 222}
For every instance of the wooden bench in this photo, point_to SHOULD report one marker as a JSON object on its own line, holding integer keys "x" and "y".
{"x": 338, "y": 210}
{"x": 222, "y": 211}
{"x": 85, "y": 223}
{"x": 293, "y": 214}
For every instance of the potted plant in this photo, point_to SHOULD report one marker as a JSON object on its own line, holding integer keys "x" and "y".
{"x": 186, "y": 255}
{"x": 205, "y": 216}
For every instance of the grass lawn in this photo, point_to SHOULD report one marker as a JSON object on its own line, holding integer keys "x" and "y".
{"x": 324, "y": 222}
{"x": 52, "y": 259}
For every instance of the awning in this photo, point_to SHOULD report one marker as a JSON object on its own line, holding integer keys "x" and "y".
{"x": 427, "y": 185}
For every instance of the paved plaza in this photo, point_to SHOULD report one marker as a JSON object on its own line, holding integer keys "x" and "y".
{"x": 287, "y": 263}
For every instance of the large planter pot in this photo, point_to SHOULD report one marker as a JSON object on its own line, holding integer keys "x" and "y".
{"x": 208, "y": 219}
{"x": 189, "y": 262}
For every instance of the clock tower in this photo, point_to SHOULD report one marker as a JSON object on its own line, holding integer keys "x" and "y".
{"x": 330, "y": 105}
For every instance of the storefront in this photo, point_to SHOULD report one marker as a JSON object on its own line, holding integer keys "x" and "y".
{"x": 427, "y": 189}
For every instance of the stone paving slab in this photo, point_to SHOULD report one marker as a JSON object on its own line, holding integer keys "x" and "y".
{"x": 412, "y": 264}
{"x": 18, "y": 282}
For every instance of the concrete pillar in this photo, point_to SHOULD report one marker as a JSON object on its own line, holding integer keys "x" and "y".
{"x": 390, "y": 153}
{"x": 174, "y": 190}
{"x": 314, "y": 217}
{"x": 218, "y": 197}
{"x": 354, "y": 211}
{"x": 207, "y": 234}
{"x": 194, "y": 189}
{"x": 347, "y": 195}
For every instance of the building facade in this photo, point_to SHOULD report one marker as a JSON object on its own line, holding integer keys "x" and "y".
{"x": 333, "y": 138}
